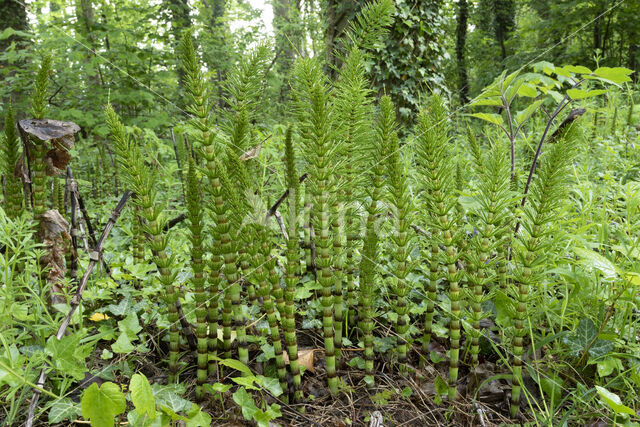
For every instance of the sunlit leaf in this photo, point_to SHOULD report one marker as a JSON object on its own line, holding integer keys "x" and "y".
{"x": 491, "y": 118}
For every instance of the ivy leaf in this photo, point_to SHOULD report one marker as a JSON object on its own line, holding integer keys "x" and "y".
{"x": 584, "y": 336}
{"x": 270, "y": 384}
{"x": 101, "y": 404}
{"x": 491, "y": 118}
{"x": 582, "y": 94}
{"x": 130, "y": 325}
{"x": 614, "y": 402}
{"x": 122, "y": 345}
{"x": 216, "y": 388}
{"x": 263, "y": 418}
{"x": 246, "y": 382}
{"x": 197, "y": 418}
{"x": 63, "y": 409}
{"x": 65, "y": 355}
{"x": 168, "y": 398}
{"x": 245, "y": 401}
{"x": 142, "y": 396}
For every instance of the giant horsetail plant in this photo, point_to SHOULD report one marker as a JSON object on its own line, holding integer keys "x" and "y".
{"x": 353, "y": 111}
{"x": 194, "y": 216}
{"x": 491, "y": 222}
{"x": 293, "y": 265}
{"x": 141, "y": 179}
{"x": 402, "y": 238}
{"x": 226, "y": 208}
{"x": 199, "y": 106}
{"x": 352, "y": 105}
{"x": 36, "y": 147}
{"x": 313, "y": 109}
{"x": 11, "y": 156}
{"x": 535, "y": 240}
{"x": 378, "y": 149}
{"x": 244, "y": 86}
{"x": 437, "y": 170}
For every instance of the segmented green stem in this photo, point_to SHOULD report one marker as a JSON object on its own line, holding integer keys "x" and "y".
{"x": 438, "y": 171}
{"x": 142, "y": 182}
{"x": 401, "y": 202}
{"x": 274, "y": 278}
{"x": 313, "y": 111}
{"x": 292, "y": 266}
{"x": 194, "y": 216}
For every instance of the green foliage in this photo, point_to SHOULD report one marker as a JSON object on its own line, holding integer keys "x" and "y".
{"x": 39, "y": 97}
{"x": 142, "y": 181}
{"x": 101, "y": 404}
{"x": 11, "y": 155}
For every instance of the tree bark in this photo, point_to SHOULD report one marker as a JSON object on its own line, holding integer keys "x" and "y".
{"x": 461, "y": 39}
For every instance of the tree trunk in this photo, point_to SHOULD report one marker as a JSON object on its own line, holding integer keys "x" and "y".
{"x": 338, "y": 14}
{"x": 461, "y": 38}
{"x": 287, "y": 25}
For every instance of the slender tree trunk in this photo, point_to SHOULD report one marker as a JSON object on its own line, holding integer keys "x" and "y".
{"x": 461, "y": 38}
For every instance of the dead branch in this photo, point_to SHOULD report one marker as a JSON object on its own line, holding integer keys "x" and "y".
{"x": 94, "y": 258}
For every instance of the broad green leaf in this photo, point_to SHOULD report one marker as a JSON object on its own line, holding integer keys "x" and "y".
{"x": 263, "y": 418}
{"x": 496, "y": 119}
{"x": 607, "y": 365}
{"x": 524, "y": 115}
{"x": 101, "y": 404}
{"x": 552, "y": 386}
{"x": 581, "y": 94}
{"x": 585, "y": 333}
{"x": 594, "y": 260}
{"x": 137, "y": 420}
{"x": 142, "y": 396}
{"x": 616, "y": 75}
{"x": 216, "y": 388}
{"x": 168, "y": 397}
{"x": 270, "y": 384}
{"x": 235, "y": 364}
{"x": 493, "y": 101}
{"x": 578, "y": 69}
{"x": 600, "y": 348}
{"x": 245, "y": 401}
{"x": 504, "y": 84}
{"x": 441, "y": 386}
{"x": 63, "y": 409}
{"x": 527, "y": 90}
{"x": 505, "y": 308}
{"x": 512, "y": 90}
{"x": 122, "y": 345}
{"x": 66, "y": 355}
{"x": 130, "y": 325}
{"x": 197, "y": 418}
{"x": 614, "y": 402}
{"x": 246, "y": 382}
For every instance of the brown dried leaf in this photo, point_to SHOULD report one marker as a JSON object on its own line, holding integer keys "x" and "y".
{"x": 251, "y": 153}
{"x": 60, "y": 137}
{"x": 305, "y": 358}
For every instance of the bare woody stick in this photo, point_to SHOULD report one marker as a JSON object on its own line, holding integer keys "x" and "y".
{"x": 73, "y": 268}
{"x": 94, "y": 258}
